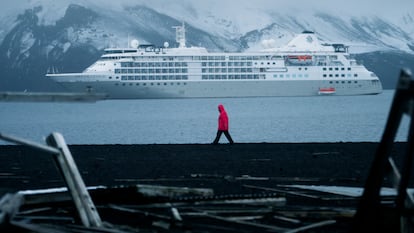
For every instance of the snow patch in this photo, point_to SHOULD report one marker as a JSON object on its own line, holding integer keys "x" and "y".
{"x": 26, "y": 42}
{"x": 66, "y": 46}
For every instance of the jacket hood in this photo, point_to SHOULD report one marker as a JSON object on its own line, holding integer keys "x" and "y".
{"x": 221, "y": 108}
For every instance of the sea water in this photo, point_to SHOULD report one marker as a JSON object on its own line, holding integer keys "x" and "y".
{"x": 182, "y": 121}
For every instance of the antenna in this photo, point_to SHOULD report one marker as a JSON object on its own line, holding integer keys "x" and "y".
{"x": 180, "y": 35}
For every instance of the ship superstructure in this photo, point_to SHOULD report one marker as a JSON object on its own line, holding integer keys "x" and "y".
{"x": 304, "y": 67}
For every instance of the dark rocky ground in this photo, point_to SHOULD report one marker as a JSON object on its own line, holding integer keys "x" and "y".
{"x": 197, "y": 165}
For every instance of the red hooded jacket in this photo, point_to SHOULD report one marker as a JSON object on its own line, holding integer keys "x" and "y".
{"x": 223, "y": 120}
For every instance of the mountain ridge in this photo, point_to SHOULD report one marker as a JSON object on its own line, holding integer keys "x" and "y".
{"x": 78, "y": 38}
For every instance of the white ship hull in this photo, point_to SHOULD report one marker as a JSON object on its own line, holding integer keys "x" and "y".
{"x": 208, "y": 89}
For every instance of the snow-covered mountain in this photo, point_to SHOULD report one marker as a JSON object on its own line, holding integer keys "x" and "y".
{"x": 69, "y": 35}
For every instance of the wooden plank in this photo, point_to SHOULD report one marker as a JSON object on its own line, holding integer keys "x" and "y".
{"x": 80, "y": 195}
{"x": 312, "y": 226}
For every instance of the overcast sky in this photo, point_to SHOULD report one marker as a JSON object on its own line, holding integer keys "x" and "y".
{"x": 358, "y": 6}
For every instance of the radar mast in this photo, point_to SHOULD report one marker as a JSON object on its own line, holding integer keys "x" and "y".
{"x": 180, "y": 35}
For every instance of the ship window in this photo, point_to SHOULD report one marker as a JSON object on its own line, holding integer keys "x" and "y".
{"x": 330, "y": 68}
{"x": 349, "y": 68}
{"x": 330, "y": 75}
{"x": 342, "y": 75}
{"x": 324, "y": 75}
{"x": 342, "y": 68}
{"x": 355, "y": 75}
{"x": 336, "y": 68}
{"x": 110, "y": 77}
{"x": 324, "y": 68}
{"x": 336, "y": 75}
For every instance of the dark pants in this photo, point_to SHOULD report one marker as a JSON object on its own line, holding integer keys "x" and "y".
{"x": 226, "y": 133}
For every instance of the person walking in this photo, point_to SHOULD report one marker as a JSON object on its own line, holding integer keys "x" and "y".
{"x": 223, "y": 125}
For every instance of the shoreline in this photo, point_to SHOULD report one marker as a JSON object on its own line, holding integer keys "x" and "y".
{"x": 221, "y": 167}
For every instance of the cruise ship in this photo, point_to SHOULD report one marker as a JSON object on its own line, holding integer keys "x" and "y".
{"x": 303, "y": 67}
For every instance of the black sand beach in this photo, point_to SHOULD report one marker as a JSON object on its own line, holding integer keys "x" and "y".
{"x": 221, "y": 167}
